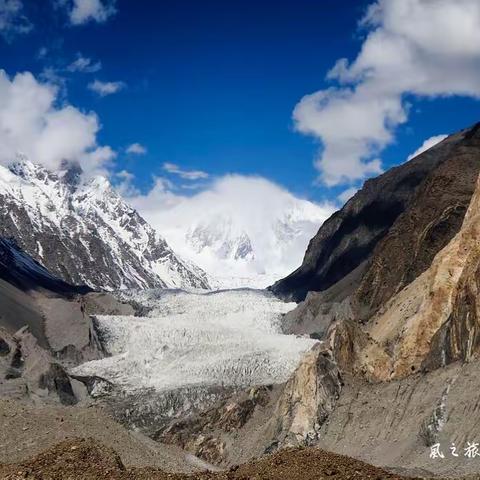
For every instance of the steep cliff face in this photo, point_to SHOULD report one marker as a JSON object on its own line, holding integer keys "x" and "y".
{"x": 307, "y": 399}
{"x": 386, "y": 207}
{"x": 412, "y": 304}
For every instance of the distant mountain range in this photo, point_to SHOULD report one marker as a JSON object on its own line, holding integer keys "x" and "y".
{"x": 85, "y": 233}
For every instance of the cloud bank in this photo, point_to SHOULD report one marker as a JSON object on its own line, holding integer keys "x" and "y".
{"x": 239, "y": 227}
{"x": 426, "y": 48}
{"x": 31, "y": 123}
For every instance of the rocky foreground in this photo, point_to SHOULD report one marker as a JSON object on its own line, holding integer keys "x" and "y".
{"x": 87, "y": 459}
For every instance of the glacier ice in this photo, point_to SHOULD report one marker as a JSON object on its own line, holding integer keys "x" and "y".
{"x": 226, "y": 338}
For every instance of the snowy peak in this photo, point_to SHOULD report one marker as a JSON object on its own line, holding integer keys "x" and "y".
{"x": 243, "y": 244}
{"x": 220, "y": 235}
{"x": 85, "y": 233}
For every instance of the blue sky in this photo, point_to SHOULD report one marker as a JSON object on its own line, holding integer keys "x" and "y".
{"x": 212, "y": 85}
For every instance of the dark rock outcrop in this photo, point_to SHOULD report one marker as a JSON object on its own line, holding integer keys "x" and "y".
{"x": 385, "y": 207}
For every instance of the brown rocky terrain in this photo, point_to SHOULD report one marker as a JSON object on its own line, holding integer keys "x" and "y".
{"x": 87, "y": 460}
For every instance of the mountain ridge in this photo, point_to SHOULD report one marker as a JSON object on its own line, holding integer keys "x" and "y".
{"x": 85, "y": 233}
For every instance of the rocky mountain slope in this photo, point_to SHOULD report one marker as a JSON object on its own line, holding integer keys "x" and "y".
{"x": 412, "y": 210}
{"x": 41, "y": 317}
{"x": 84, "y": 233}
{"x": 411, "y": 294}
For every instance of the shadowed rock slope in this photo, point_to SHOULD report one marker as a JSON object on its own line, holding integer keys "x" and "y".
{"x": 396, "y": 223}
{"x": 44, "y": 329}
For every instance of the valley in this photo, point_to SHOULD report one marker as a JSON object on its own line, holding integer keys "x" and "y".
{"x": 137, "y": 361}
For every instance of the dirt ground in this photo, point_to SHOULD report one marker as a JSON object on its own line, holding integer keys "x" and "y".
{"x": 27, "y": 430}
{"x": 86, "y": 459}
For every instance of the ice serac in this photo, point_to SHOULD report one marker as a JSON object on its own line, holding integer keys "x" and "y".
{"x": 83, "y": 232}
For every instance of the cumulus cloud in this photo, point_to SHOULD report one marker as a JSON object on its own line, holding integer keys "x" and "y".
{"x": 84, "y": 64}
{"x": 12, "y": 20}
{"x": 209, "y": 226}
{"x": 185, "y": 174}
{"x": 84, "y": 11}
{"x": 427, "y": 144}
{"x": 425, "y": 48}
{"x": 105, "y": 88}
{"x": 32, "y": 123}
{"x": 136, "y": 149}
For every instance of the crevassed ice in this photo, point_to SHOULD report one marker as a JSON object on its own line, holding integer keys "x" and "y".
{"x": 229, "y": 338}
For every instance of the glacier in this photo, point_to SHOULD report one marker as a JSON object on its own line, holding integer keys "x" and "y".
{"x": 195, "y": 340}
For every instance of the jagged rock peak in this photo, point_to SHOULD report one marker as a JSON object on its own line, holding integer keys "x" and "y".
{"x": 81, "y": 230}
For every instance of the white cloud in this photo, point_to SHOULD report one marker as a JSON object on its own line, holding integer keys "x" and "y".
{"x": 105, "y": 88}
{"x": 53, "y": 76}
{"x": 347, "y": 194}
{"x": 84, "y": 64}
{"x": 418, "y": 47}
{"x": 185, "y": 174}
{"x": 210, "y": 226}
{"x": 427, "y": 144}
{"x": 12, "y": 20}
{"x": 136, "y": 149}
{"x": 32, "y": 123}
{"x": 84, "y": 11}
{"x": 125, "y": 185}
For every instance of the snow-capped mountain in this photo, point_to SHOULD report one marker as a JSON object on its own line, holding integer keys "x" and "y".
{"x": 85, "y": 233}
{"x": 238, "y": 255}
{"x": 244, "y": 232}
